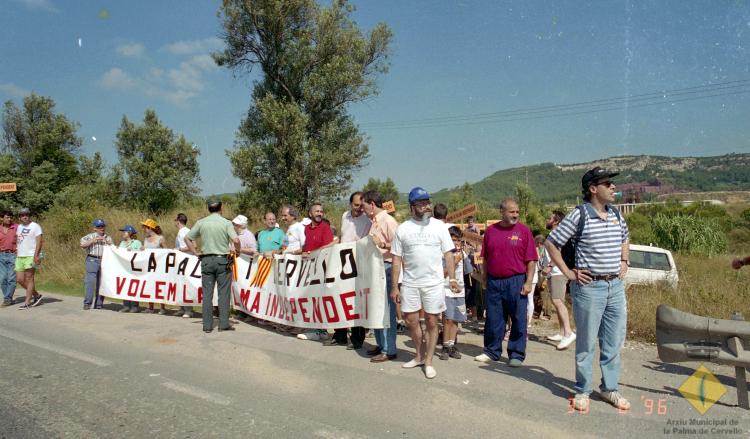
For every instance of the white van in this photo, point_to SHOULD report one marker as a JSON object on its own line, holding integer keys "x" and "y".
{"x": 649, "y": 265}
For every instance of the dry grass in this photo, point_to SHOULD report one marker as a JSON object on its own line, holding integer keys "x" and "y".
{"x": 708, "y": 287}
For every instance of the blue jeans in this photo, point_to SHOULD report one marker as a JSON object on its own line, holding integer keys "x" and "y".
{"x": 504, "y": 302}
{"x": 600, "y": 310}
{"x": 92, "y": 280}
{"x": 8, "y": 275}
{"x": 386, "y": 338}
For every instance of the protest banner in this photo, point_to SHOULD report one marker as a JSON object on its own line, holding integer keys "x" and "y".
{"x": 336, "y": 287}
{"x": 468, "y": 210}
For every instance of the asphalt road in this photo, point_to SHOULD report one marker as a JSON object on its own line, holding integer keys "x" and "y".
{"x": 65, "y": 372}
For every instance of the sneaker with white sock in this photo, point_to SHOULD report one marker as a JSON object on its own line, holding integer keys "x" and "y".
{"x": 556, "y": 337}
{"x": 615, "y": 399}
{"x": 566, "y": 341}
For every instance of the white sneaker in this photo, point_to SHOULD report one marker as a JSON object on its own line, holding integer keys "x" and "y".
{"x": 430, "y": 372}
{"x": 615, "y": 399}
{"x": 412, "y": 364}
{"x": 315, "y": 335}
{"x": 483, "y": 358}
{"x": 556, "y": 337}
{"x": 566, "y": 341}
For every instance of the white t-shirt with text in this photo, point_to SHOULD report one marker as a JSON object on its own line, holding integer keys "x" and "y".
{"x": 421, "y": 245}
{"x": 27, "y": 236}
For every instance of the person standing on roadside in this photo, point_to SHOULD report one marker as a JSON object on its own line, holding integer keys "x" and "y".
{"x": 602, "y": 257}
{"x": 510, "y": 262}
{"x": 154, "y": 239}
{"x": 94, "y": 244}
{"x": 558, "y": 284}
{"x": 318, "y": 235}
{"x": 420, "y": 246}
{"x": 217, "y": 235}
{"x": 382, "y": 232}
{"x": 180, "y": 222}
{"x": 8, "y": 241}
{"x": 30, "y": 240}
{"x": 354, "y": 226}
{"x": 130, "y": 243}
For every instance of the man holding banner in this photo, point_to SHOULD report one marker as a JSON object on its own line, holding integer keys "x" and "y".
{"x": 421, "y": 244}
{"x": 217, "y": 237}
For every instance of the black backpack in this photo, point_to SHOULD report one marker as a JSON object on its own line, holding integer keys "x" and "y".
{"x": 568, "y": 251}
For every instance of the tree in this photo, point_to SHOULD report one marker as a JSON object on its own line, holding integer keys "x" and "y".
{"x": 386, "y": 188}
{"x": 157, "y": 169}
{"x": 298, "y": 143}
{"x": 40, "y": 148}
{"x": 461, "y": 198}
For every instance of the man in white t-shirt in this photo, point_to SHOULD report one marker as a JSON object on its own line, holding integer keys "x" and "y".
{"x": 420, "y": 246}
{"x": 295, "y": 232}
{"x": 179, "y": 244}
{"x": 29, "y": 250}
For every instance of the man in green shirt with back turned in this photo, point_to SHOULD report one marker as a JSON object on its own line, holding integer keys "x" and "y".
{"x": 217, "y": 238}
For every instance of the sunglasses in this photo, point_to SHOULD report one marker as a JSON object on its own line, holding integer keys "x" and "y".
{"x": 607, "y": 183}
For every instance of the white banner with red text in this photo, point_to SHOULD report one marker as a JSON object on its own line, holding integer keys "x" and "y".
{"x": 335, "y": 287}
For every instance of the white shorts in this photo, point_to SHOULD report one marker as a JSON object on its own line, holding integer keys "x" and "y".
{"x": 432, "y": 299}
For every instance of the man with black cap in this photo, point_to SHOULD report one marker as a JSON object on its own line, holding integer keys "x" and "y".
{"x": 94, "y": 244}
{"x": 420, "y": 246}
{"x": 599, "y": 304}
{"x": 216, "y": 232}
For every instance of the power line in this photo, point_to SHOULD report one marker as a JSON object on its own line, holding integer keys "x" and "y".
{"x": 586, "y": 107}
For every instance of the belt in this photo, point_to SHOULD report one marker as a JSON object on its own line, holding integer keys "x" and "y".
{"x": 92, "y": 256}
{"x": 7, "y": 251}
{"x": 607, "y": 277}
{"x": 212, "y": 255}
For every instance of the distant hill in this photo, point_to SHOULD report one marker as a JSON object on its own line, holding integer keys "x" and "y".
{"x": 561, "y": 183}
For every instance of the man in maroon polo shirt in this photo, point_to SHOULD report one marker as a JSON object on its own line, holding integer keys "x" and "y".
{"x": 318, "y": 234}
{"x": 510, "y": 256}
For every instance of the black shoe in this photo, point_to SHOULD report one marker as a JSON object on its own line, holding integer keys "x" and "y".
{"x": 445, "y": 353}
{"x": 454, "y": 353}
{"x": 334, "y": 342}
{"x": 228, "y": 328}
{"x": 36, "y": 300}
{"x": 86, "y": 307}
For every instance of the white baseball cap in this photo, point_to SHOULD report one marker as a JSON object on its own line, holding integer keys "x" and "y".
{"x": 240, "y": 220}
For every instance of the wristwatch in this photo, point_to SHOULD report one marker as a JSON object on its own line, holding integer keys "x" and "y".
{"x": 626, "y": 262}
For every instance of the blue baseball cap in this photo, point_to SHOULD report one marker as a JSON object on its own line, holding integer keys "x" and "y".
{"x": 128, "y": 228}
{"x": 418, "y": 194}
{"x": 99, "y": 223}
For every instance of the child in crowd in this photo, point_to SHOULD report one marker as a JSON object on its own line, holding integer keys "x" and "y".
{"x": 130, "y": 243}
{"x": 455, "y": 303}
{"x": 154, "y": 239}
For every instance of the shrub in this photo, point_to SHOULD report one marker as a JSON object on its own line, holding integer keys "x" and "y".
{"x": 689, "y": 234}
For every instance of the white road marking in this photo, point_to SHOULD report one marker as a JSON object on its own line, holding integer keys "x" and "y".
{"x": 56, "y": 349}
{"x": 196, "y": 392}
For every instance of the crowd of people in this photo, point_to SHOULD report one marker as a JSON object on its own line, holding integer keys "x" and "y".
{"x": 435, "y": 275}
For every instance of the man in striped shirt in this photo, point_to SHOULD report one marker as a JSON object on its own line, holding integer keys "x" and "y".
{"x": 94, "y": 244}
{"x": 599, "y": 303}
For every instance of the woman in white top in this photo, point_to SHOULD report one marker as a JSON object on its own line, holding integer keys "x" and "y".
{"x": 557, "y": 286}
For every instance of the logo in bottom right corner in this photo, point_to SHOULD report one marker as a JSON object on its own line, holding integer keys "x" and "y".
{"x": 702, "y": 389}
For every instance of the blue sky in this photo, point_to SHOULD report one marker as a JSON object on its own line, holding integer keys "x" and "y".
{"x": 456, "y": 66}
